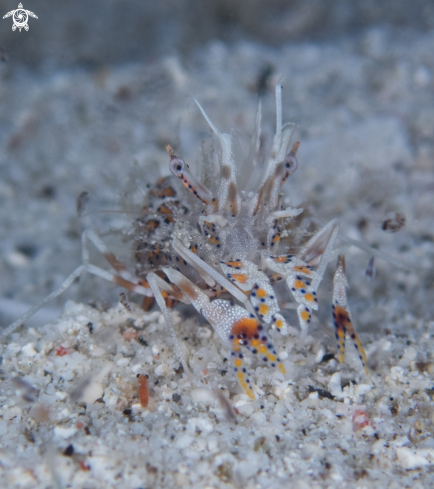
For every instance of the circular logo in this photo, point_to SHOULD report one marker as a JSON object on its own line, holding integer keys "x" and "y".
{"x": 20, "y": 18}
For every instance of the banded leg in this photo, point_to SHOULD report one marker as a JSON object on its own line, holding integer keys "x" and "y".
{"x": 235, "y": 326}
{"x": 342, "y": 316}
{"x": 273, "y": 237}
{"x": 207, "y": 270}
{"x": 67, "y": 283}
{"x": 124, "y": 279}
{"x": 299, "y": 277}
{"x": 221, "y": 315}
{"x": 302, "y": 280}
{"x": 246, "y": 276}
{"x": 170, "y": 295}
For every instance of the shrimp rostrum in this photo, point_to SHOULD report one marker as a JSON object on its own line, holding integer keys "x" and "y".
{"x": 221, "y": 254}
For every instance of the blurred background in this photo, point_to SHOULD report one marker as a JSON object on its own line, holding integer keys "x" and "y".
{"x": 71, "y": 34}
{"x": 93, "y": 91}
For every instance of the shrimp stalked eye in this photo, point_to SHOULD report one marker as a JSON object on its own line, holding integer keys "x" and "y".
{"x": 291, "y": 163}
{"x": 177, "y": 166}
{"x": 180, "y": 169}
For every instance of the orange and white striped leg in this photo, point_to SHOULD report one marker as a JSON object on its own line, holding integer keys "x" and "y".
{"x": 235, "y": 326}
{"x": 207, "y": 272}
{"x": 87, "y": 267}
{"x": 247, "y": 277}
{"x": 342, "y": 316}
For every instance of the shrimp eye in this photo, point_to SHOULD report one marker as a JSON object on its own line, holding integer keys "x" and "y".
{"x": 291, "y": 163}
{"x": 176, "y": 166}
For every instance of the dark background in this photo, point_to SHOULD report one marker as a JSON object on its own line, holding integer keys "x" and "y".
{"x": 100, "y": 32}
